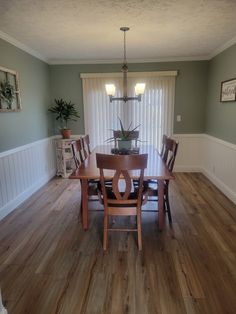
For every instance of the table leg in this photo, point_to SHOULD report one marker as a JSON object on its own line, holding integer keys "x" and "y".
{"x": 160, "y": 204}
{"x": 84, "y": 188}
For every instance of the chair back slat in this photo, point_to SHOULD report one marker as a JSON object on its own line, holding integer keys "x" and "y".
{"x": 127, "y": 181}
{"x": 171, "y": 160}
{"x": 76, "y": 147}
{"x": 85, "y": 147}
{"x": 121, "y": 164}
{"x": 169, "y": 151}
{"x": 164, "y": 138}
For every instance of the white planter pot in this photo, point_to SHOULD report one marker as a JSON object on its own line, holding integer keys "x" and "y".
{"x": 124, "y": 144}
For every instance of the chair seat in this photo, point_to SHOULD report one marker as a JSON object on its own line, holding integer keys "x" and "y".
{"x": 110, "y": 194}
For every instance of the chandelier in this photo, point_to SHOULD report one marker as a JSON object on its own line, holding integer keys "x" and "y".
{"x": 139, "y": 87}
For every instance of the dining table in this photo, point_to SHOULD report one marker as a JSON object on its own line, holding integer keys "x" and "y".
{"x": 156, "y": 170}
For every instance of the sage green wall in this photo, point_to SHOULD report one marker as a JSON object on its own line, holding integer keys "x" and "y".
{"x": 33, "y": 122}
{"x": 190, "y": 98}
{"x": 221, "y": 117}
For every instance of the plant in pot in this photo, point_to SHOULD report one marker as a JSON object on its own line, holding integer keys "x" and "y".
{"x": 124, "y": 137}
{"x": 65, "y": 111}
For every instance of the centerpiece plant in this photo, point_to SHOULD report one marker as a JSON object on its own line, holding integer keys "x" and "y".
{"x": 123, "y": 136}
{"x": 65, "y": 112}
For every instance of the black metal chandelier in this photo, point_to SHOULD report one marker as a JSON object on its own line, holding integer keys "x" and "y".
{"x": 139, "y": 87}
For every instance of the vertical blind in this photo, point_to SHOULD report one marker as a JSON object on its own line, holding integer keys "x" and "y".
{"x": 154, "y": 113}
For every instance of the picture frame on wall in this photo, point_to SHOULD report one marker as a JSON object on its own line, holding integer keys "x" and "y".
{"x": 228, "y": 90}
{"x": 10, "y": 100}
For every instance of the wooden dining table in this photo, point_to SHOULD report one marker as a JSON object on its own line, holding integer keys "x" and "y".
{"x": 156, "y": 169}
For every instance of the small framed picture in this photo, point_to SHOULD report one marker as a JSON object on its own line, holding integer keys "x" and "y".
{"x": 228, "y": 90}
{"x": 9, "y": 90}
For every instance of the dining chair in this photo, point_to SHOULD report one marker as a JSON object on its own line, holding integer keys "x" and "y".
{"x": 162, "y": 153}
{"x": 120, "y": 199}
{"x": 168, "y": 154}
{"x": 85, "y": 141}
{"x": 76, "y": 147}
{"x": 78, "y": 156}
{"x": 133, "y": 135}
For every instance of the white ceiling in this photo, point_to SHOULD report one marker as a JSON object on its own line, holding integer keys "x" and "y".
{"x": 88, "y": 30}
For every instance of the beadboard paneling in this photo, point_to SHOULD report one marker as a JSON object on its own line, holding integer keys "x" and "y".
{"x": 211, "y": 156}
{"x": 219, "y": 164}
{"x": 23, "y": 171}
{"x": 189, "y": 155}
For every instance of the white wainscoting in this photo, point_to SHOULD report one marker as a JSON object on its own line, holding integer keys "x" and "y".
{"x": 215, "y": 158}
{"x": 23, "y": 171}
{"x": 189, "y": 155}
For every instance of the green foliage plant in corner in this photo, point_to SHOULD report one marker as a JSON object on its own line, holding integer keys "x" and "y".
{"x": 65, "y": 112}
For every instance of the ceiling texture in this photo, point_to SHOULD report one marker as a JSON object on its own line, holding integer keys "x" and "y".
{"x": 88, "y": 30}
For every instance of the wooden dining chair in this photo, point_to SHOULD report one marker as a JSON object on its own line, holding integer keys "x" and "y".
{"x": 162, "y": 153}
{"x": 120, "y": 199}
{"x": 78, "y": 156}
{"x": 85, "y": 142}
{"x": 76, "y": 147}
{"x": 168, "y": 154}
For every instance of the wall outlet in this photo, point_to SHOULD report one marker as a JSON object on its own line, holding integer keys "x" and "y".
{"x": 178, "y": 118}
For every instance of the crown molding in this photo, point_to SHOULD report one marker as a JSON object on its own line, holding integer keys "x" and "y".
{"x": 130, "y": 60}
{"x": 22, "y": 46}
{"x": 36, "y": 54}
{"x": 220, "y": 49}
{"x": 131, "y": 74}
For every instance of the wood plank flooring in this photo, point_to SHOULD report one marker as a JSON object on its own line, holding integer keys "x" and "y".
{"x": 48, "y": 264}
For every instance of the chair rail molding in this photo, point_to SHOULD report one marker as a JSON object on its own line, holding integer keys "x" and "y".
{"x": 23, "y": 171}
{"x": 214, "y": 157}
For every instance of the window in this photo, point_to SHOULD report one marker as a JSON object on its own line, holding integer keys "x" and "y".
{"x": 154, "y": 113}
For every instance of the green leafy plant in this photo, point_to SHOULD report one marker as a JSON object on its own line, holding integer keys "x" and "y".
{"x": 65, "y": 111}
{"x": 123, "y": 134}
{"x": 7, "y": 93}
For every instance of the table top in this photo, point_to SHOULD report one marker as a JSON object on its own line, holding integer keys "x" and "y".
{"x": 156, "y": 168}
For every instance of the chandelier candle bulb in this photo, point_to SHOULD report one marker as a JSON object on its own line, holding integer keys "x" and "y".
{"x": 139, "y": 88}
{"x": 110, "y": 89}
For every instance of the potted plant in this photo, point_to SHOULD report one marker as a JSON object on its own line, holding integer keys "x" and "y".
{"x": 65, "y": 111}
{"x": 124, "y": 137}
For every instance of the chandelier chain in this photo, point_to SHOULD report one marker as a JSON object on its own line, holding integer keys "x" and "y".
{"x": 125, "y": 61}
{"x": 139, "y": 88}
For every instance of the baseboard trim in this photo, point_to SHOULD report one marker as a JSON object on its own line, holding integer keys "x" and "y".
{"x": 12, "y": 205}
{"x": 187, "y": 169}
{"x": 220, "y": 185}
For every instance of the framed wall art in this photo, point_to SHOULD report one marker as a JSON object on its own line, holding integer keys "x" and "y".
{"x": 228, "y": 90}
{"x": 9, "y": 90}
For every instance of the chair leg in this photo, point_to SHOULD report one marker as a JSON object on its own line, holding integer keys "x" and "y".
{"x": 80, "y": 212}
{"x": 168, "y": 205}
{"x": 139, "y": 227}
{"x": 105, "y": 232}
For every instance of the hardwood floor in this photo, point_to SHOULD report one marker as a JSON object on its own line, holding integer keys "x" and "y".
{"x": 48, "y": 264}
